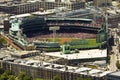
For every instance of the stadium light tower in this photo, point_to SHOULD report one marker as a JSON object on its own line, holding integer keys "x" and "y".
{"x": 54, "y": 31}
{"x": 44, "y": 5}
{"x": 106, "y": 15}
{"x": 106, "y": 29}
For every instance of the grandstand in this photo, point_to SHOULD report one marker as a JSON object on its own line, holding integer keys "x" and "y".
{"x": 69, "y": 27}
{"x": 79, "y": 35}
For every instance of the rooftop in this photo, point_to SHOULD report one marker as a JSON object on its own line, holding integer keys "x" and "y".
{"x": 117, "y": 73}
{"x": 1, "y": 26}
{"x": 43, "y": 13}
{"x": 21, "y": 15}
{"x": 19, "y": 53}
{"x": 83, "y": 54}
{"x": 52, "y": 66}
{"x": 62, "y": 68}
{"x": 15, "y": 3}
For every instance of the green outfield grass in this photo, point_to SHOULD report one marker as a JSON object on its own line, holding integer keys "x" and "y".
{"x": 89, "y": 43}
{"x": 77, "y": 43}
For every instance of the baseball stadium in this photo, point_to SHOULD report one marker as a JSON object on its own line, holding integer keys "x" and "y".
{"x": 50, "y": 33}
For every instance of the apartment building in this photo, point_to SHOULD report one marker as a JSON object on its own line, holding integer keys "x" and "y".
{"x": 32, "y": 6}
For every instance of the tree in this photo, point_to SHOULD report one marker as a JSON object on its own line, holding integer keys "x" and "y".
{"x": 118, "y": 6}
{"x": 11, "y": 77}
{"x": 1, "y": 71}
{"x": 2, "y": 41}
{"x": 38, "y": 79}
{"x": 80, "y": 78}
{"x": 26, "y": 77}
{"x": 87, "y": 79}
{"x": 4, "y": 76}
{"x": 7, "y": 72}
{"x": 118, "y": 64}
{"x": 21, "y": 75}
{"x": 84, "y": 78}
{"x": 56, "y": 77}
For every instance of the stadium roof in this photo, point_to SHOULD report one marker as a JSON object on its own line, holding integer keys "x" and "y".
{"x": 58, "y": 18}
{"x": 21, "y": 15}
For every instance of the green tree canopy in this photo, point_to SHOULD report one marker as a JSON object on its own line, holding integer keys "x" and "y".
{"x": 2, "y": 41}
{"x": 4, "y": 76}
{"x": 11, "y": 77}
{"x": 1, "y": 71}
{"x": 118, "y": 6}
{"x": 21, "y": 75}
{"x": 56, "y": 77}
{"x": 118, "y": 64}
{"x": 26, "y": 77}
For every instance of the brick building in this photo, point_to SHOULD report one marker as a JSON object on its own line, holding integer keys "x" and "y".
{"x": 27, "y": 7}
